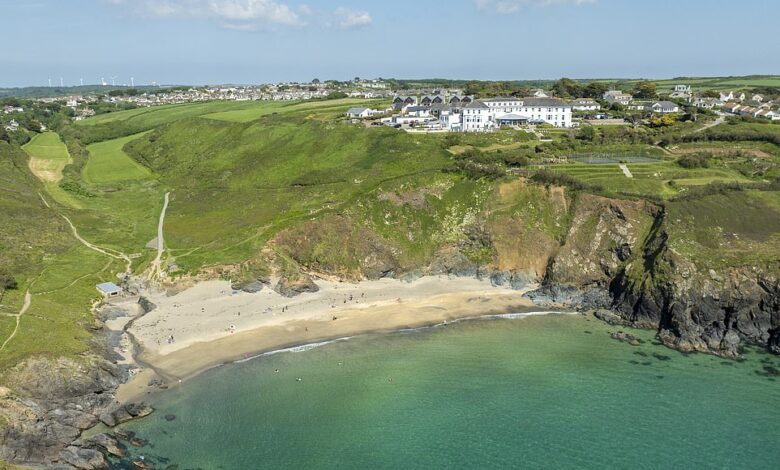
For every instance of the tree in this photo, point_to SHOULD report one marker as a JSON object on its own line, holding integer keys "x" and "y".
{"x": 711, "y": 94}
{"x": 645, "y": 90}
{"x": 595, "y": 90}
{"x": 566, "y": 88}
{"x": 316, "y": 81}
{"x": 587, "y": 133}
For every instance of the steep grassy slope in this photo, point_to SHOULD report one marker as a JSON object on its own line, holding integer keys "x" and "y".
{"x": 38, "y": 250}
{"x": 236, "y": 184}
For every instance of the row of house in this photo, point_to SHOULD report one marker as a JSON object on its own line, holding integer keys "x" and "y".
{"x": 744, "y": 110}
{"x": 12, "y": 126}
{"x": 401, "y": 101}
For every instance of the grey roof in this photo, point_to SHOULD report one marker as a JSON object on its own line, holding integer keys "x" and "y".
{"x": 108, "y": 288}
{"x": 503, "y": 98}
{"x": 545, "y": 102}
{"x": 417, "y": 108}
{"x": 477, "y": 104}
{"x": 356, "y": 110}
{"x": 665, "y": 104}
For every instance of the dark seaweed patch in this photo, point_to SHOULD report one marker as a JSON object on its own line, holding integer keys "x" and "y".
{"x": 661, "y": 357}
{"x": 640, "y": 353}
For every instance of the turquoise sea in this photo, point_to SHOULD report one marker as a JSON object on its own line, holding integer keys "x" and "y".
{"x": 549, "y": 391}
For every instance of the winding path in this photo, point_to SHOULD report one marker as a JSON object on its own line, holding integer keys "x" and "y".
{"x": 721, "y": 118}
{"x": 106, "y": 251}
{"x": 18, "y": 316}
{"x": 155, "y": 271}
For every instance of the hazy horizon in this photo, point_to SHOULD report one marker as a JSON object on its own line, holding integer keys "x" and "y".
{"x": 261, "y": 41}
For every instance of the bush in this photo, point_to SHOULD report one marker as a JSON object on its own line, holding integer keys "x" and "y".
{"x": 695, "y": 160}
{"x": 560, "y": 179}
{"x": 7, "y": 282}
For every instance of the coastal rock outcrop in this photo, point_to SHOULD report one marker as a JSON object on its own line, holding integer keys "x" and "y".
{"x": 47, "y": 405}
{"x": 621, "y": 256}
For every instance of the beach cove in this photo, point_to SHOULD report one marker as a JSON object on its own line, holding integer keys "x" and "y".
{"x": 210, "y": 323}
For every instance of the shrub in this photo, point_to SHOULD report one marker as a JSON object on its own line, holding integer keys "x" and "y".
{"x": 560, "y": 179}
{"x": 7, "y": 282}
{"x": 695, "y": 160}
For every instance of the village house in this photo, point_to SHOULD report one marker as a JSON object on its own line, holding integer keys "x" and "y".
{"x": 707, "y": 103}
{"x": 768, "y": 114}
{"x": 731, "y": 107}
{"x": 732, "y": 96}
{"x": 12, "y": 126}
{"x": 664, "y": 107}
{"x": 399, "y": 102}
{"x": 757, "y": 98}
{"x": 681, "y": 91}
{"x": 361, "y": 113}
{"x": 417, "y": 111}
{"x": 617, "y": 96}
{"x": 539, "y": 93}
{"x": 12, "y": 109}
{"x": 585, "y": 104}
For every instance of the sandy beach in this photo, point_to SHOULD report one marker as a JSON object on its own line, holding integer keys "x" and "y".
{"x": 211, "y": 324}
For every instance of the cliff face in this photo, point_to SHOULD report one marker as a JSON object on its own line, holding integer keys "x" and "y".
{"x": 677, "y": 269}
{"x": 703, "y": 272}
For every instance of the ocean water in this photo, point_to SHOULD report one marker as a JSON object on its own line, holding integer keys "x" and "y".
{"x": 549, "y": 391}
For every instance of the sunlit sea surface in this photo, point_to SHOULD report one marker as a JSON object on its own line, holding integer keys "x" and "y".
{"x": 549, "y": 391}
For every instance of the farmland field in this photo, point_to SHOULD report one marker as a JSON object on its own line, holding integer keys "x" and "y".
{"x": 109, "y": 163}
{"x": 48, "y": 157}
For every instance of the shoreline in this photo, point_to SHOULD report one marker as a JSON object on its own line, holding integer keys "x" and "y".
{"x": 385, "y": 306}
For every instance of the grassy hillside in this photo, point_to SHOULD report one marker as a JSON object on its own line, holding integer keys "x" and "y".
{"x": 38, "y": 250}
{"x": 294, "y": 187}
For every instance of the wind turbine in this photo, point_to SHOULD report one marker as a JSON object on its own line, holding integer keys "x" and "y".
{"x": 81, "y": 81}
{"x": 49, "y": 82}
{"x": 113, "y": 81}
{"x": 62, "y": 83}
{"x": 132, "y": 82}
{"x": 103, "y": 81}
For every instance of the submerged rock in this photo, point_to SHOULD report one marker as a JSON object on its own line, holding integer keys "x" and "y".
{"x": 626, "y": 338}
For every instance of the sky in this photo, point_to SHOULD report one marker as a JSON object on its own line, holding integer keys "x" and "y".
{"x": 260, "y": 41}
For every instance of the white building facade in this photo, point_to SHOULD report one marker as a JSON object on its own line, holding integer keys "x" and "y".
{"x": 484, "y": 115}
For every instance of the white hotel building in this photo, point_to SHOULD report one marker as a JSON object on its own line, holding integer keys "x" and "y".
{"x": 486, "y": 115}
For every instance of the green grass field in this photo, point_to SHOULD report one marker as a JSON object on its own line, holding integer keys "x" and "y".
{"x": 108, "y": 163}
{"x": 48, "y": 157}
{"x": 720, "y": 83}
{"x": 263, "y": 108}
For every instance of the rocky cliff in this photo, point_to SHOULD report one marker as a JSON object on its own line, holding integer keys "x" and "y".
{"x": 705, "y": 282}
